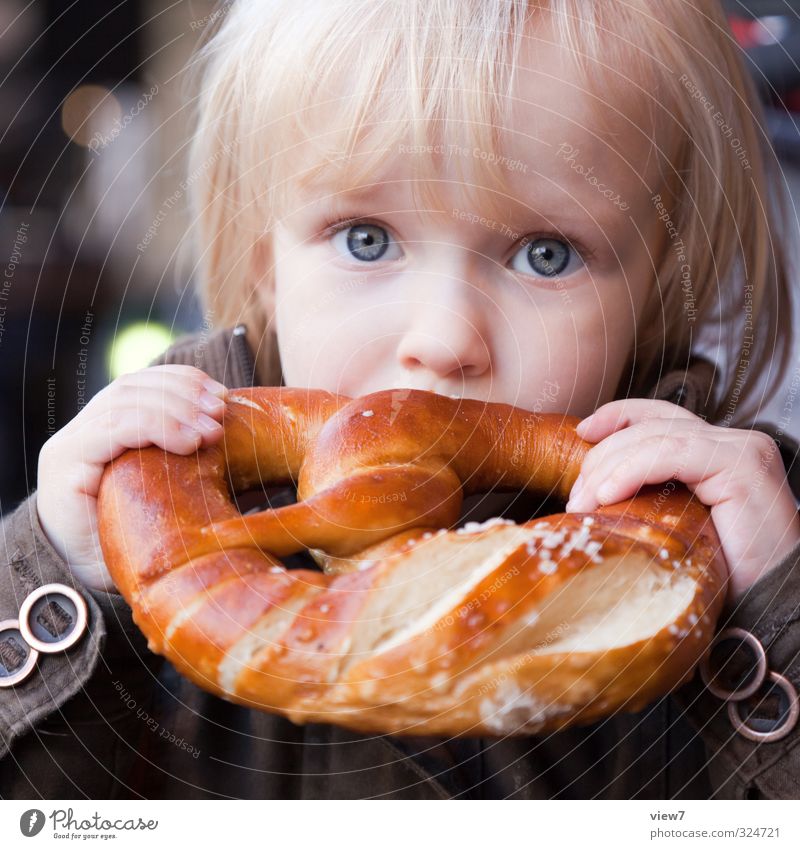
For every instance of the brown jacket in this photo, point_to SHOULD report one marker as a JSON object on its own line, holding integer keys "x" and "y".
{"x": 109, "y": 719}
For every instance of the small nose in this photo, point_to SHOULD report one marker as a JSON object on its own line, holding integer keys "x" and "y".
{"x": 447, "y": 332}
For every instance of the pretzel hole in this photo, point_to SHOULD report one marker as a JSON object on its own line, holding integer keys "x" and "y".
{"x": 258, "y": 498}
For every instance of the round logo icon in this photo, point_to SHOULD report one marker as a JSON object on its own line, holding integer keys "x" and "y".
{"x": 31, "y": 822}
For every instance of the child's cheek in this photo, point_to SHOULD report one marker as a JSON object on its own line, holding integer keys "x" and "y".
{"x": 590, "y": 350}
{"x": 326, "y": 350}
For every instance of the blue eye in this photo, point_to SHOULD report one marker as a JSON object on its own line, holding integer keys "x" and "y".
{"x": 546, "y": 257}
{"x": 365, "y": 242}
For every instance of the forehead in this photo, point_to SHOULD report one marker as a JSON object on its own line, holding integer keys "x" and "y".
{"x": 581, "y": 140}
{"x": 561, "y": 138}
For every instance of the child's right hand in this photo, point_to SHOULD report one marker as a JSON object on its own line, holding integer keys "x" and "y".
{"x": 178, "y": 408}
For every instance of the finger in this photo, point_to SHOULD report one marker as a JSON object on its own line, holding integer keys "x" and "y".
{"x": 180, "y": 402}
{"x": 616, "y": 415}
{"x": 181, "y": 371}
{"x": 106, "y": 436}
{"x": 629, "y": 440}
{"x": 148, "y": 405}
{"x": 185, "y": 397}
{"x": 660, "y": 458}
{"x": 114, "y": 431}
{"x": 182, "y": 380}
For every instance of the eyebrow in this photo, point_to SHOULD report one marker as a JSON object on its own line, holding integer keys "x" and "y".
{"x": 333, "y": 193}
{"x": 547, "y": 205}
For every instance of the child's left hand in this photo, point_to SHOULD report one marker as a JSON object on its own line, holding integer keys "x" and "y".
{"x": 739, "y": 474}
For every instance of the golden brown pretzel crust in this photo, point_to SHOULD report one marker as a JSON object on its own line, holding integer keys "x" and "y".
{"x": 489, "y": 630}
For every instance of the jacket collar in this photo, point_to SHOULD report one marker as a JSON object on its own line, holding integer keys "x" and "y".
{"x": 690, "y": 387}
{"x": 226, "y": 356}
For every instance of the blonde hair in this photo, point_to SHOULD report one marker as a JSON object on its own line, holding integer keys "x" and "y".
{"x": 407, "y": 64}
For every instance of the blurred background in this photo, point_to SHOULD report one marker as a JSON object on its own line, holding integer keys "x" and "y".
{"x": 93, "y": 212}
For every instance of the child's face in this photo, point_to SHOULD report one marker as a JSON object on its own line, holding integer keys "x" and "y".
{"x": 438, "y": 299}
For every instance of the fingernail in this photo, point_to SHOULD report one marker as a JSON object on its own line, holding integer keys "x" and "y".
{"x": 574, "y": 495}
{"x": 189, "y": 431}
{"x": 604, "y": 491}
{"x": 580, "y": 428}
{"x": 211, "y": 403}
{"x": 207, "y": 424}
{"x": 215, "y": 388}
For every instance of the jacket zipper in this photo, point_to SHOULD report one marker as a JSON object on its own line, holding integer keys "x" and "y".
{"x": 244, "y": 355}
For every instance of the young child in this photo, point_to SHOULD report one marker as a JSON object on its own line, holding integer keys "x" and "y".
{"x": 552, "y": 205}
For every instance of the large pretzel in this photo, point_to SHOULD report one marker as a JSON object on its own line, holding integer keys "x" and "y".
{"x": 489, "y": 629}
